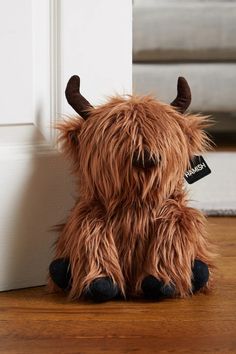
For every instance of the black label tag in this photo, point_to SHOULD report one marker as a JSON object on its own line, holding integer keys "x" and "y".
{"x": 198, "y": 170}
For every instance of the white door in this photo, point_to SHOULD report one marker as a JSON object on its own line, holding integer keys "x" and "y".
{"x": 43, "y": 43}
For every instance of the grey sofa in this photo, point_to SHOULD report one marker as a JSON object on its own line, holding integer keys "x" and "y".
{"x": 195, "y": 39}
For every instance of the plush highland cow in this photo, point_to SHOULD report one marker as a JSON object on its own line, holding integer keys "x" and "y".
{"x": 131, "y": 232}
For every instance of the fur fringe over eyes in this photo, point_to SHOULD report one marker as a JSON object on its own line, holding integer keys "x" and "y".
{"x": 130, "y": 222}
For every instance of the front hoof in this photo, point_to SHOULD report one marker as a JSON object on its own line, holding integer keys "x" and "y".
{"x": 156, "y": 289}
{"x": 101, "y": 290}
{"x": 168, "y": 290}
{"x": 200, "y": 275}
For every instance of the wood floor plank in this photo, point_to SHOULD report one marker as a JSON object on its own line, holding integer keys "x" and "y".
{"x": 32, "y": 321}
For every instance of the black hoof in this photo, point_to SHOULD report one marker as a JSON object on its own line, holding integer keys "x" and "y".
{"x": 168, "y": 290}
{"x": 200, "y": 275}
{"x": 101, "y": 290}
{"x": 156, "y": 289}
{"x": 59, "y": 271}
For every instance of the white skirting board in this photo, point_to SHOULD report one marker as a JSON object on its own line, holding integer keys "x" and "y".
{"x": 38, "y": 192}
{"x": 216, "y": 193}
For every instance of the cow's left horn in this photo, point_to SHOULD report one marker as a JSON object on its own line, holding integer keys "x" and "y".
{"x": 183, "y": 98}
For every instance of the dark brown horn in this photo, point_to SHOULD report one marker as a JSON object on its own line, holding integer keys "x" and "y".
{"x": 75, "y": 99}
{"x": 183, "y": 98}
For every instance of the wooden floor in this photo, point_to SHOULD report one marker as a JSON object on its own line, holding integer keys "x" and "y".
{"x": 35, "y": 322}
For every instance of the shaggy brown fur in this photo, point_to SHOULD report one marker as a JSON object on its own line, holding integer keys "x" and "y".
{"x": 128, "y": 222}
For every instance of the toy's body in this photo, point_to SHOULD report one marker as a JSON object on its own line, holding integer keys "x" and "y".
{"x": 131, "y": 232}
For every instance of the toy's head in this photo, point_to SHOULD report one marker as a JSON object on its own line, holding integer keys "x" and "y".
{"x": 132, "y": 147}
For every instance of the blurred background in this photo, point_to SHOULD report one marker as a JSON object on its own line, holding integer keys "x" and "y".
{"x": 195, "y": 39}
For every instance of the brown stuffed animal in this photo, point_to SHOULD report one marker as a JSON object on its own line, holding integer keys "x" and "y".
{"x": 131, "y": 232}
